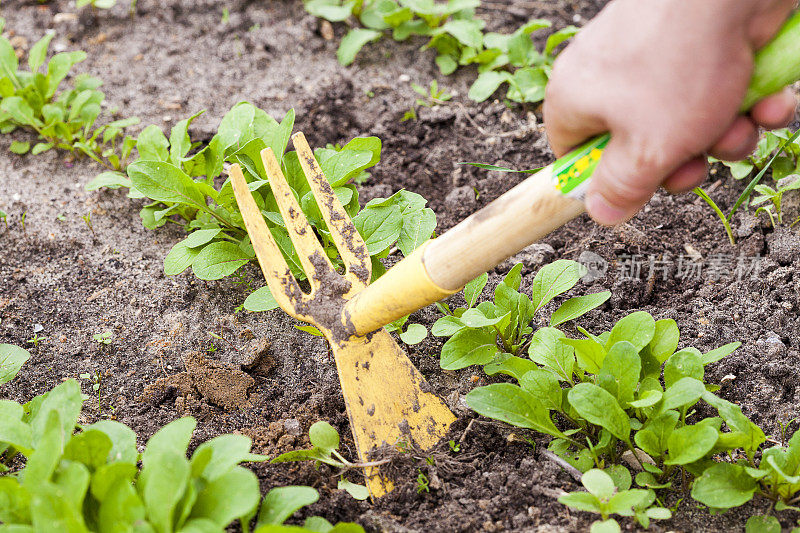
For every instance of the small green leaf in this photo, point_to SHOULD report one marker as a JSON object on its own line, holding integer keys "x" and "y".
{"x": 447, "y": 326}
{"x": 599, "y": 484}
{"x": 762, "y": 524}
{"x": 165, "y": 182}
{"x": 359, "y": 492}
{"x": 261, "y": 300}
{"x": 379, "y": 227}
{"x": 110, "y": 180}
{"x": 547, "y": 350}
{"x": 544, "y": 386}
{"x": 582, "y": 501}
{"x": 690, "y": 443}
{"x": 685, "y": 391}
{"x": 665, "y": 340}
{"x": 469, "y": 347}
{"x": 323, "y": 436}
{"x": 685, "y": 363}
{"x": 578, "y": 306}
{"x": 218, "y": 260}
{"x": 638, "y": 328}
{"x": 473, "y": 289}
{"x": 152, "y": 144}
{"x": 605, "y": 526}
{"x": 19, "y": 147}
{"x": 554, "y": 279}
{"x": 724, "y": 486}
{"x": 486, "y": 84}
{"x": 414, "y": 334}
{"x": 353, "y": 42}
{"x": 11, "y": 360}
{"x": 589, "y": 353}
{"x": 281, "y": 502}
{"x": 598, "y": 407}
{"x": 513, "y": 405}
{"x": 718, "y": 353}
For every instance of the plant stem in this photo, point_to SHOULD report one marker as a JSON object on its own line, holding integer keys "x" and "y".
{"x": 699, "y": 191}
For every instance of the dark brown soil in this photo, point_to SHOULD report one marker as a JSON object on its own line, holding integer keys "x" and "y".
{"x": 270, "y": 381}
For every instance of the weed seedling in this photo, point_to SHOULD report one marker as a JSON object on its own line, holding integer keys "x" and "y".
{"x": 423, "y": 484}
{"x": 87, "y": 219}
{"x": 104, "y": 338}
{"x": 325, "y": 443}
{"x": 22, "y": 221}
{"x": 96, "y": 379}
{"x": 429, "y": 98}
{"x": 454, "y": 446}
{"x": 4, "y": 216}
{"x": 36, "y": 339}
{"x": 774, "y": 196}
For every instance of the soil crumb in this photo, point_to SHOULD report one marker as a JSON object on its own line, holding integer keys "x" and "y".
{"x": 216, "y": 383}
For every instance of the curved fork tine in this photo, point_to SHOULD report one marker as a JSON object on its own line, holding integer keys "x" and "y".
{"x": 281, "y": 282}
{"x": 349, "y": 243}
{"x": 300, "y": 231}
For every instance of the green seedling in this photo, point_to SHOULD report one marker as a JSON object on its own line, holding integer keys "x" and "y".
{"x": 496, "y": 334}
{"x": 623, "y": 395}
{"x": 96, "y": 379}
{"x": 36, "y": 339}
{"x": 87, "y": 219}
{"x": 454, "y": 446}
{"x": 97, "y": 480}
{"x": 60, "y": 217}
{"x": 62, "y": 119}
{"x": 96, "y": 4}
{"x": 22, "y": 220}
{"x": 457, "y": 36}
{"x": 429, "y": 98}
{"x": 182, "y": 190}
{"x": 325, "y": 443}
{"x": 226, "y": 16}
{"x": 104, "y": 338}
{"x": 606, "y": 496}
{"x": 423, "y": 483}
{"x": 4, "y": 216}
{"x": 11, "y": 360}
{"x": 774, "y": 196}
{"x": 769, "y": 154}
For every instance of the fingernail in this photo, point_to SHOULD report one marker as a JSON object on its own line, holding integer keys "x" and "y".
{"x": 603, "y": 212}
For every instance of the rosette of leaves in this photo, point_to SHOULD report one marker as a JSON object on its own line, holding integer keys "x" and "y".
{"x": 29, "y": 99}
{"x": 610, "y": 493}
{"x": 625, "y": 389}
{"x": 498, "y": 334}
{"x": 731, "y": 484}
{"x": 187, "y": 186}
{"x": 458, "y": 38}
{"x": 95, "y": 480}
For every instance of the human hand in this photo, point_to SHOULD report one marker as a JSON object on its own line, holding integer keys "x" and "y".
{"x": 666, "y": 78}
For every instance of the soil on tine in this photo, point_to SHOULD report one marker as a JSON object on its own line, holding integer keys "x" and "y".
{"x": 259, "y": 375}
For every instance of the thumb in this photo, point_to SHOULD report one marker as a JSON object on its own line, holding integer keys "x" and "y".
{"x": 622, "y": 183}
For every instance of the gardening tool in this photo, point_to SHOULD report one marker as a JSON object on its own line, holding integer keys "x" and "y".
{"x": 386, "y": 396}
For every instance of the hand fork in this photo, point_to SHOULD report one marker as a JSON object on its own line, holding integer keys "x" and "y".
{"x": 385, "y": 395}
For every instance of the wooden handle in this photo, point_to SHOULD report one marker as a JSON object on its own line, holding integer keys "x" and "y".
{"x": 515, "y": 220}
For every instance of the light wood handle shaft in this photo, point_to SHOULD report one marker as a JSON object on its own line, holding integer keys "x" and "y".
{"x": 515, "y": 220}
